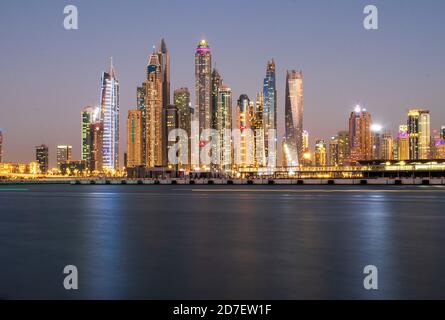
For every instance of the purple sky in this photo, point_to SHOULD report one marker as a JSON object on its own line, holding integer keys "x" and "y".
{"x": 47, "y": 74}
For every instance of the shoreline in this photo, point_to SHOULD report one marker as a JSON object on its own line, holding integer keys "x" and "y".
{"x": 238, "y": 182}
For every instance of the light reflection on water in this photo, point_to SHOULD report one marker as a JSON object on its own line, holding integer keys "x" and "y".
{"x": 164, "y": 242}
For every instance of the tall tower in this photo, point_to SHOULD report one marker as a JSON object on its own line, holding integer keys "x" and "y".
{"x": 89, "y": 115}
{"x": 134, "y": 141}
{"x": 403, "y": 143}
{"x": 63, "y": 155}
{"x": 244, "y": 124}
{"x": 216, "y": 84}
{"x": 360, "y": 136}
{"x": 203, "y": 84}
{"x": 153, "y": 105}
{"x": 419, "y": 130}
{"x": 110, "y": 119}
{"x": 270, "y": 108}
{"x": 294, "y": 115}
{"x": 1, "y": 146}
{"x": 181, "y": 99}
{"x": 224, "y": 116}
{"x": 164, "y": 61}
{"x": 42, "y": 157}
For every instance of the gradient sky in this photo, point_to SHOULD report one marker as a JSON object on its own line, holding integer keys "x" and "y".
{"x": 47, "y": 74}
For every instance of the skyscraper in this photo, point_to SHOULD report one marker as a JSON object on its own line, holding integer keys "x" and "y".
{"x": 63, "y": 155}
{"x": 1, "y": 146}
{"x": 97, "y": 138}
{"x": 294, "y": 115}
{"x": 134, "y": 138}
{"x": 89, "y": 115}
{"x": 403, "y": 143}
{"x": 224, "y": 123}
{"x": 270, "y": 109}
{"x": 243, "y": 123}
{"x": 216, "y": 84}
{"x": 164, "y": 60}
{"x": 110, "y": 119}
{"x": 387, "y": 146}
{"x": 419, "y": 134}
{"x": 334, "y": 152}
{"x": 321, "y": 155}
{"x": 171, "y": 123}
{"x": 442, "y": 132}
{"x": 344, "y": 150}
{"x": 203, "y": 84}
{"x": 258, "y": 127}
{"x": 360, "y": 137}
{"x": 154, "y": 131}
{"x": 42, "y": 158}
{"x": 181, "y": 98}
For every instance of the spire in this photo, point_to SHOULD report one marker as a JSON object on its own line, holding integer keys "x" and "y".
{"x": 162, "y": 46}
{"x": 112, "y": 71}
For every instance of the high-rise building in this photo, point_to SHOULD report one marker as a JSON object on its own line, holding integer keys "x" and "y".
{"x": 344, "y": 150}
{"x": 258, "y": 127}
{"x": 244, "y": 124}
{"x": 224, "y": 126}
{"x": 171, "y": 123}
{"x": 89, "y": 115}
{"x": 442, "y": 132}
{"x": 216, "y": 84}
{"x": 203, "y": 84}
{"x": 164, "y": 61}
{"x": 387, "y": 146}
{"x": 97, "y": 138}
{"x": 270, "y": 110}
{"x": 182, "y": 102}
{"x": 376, "y": 132}
{"x": 294, "y": 115}
{"x": 134, "y": 138}
{"x": 110, "y": 119}
{"x": 153, "y": 105}
{"x": 334, "y": 152}
{"x": 403, "y": 143}
{"x": 419, "y": 134}
{"x": 1, "y": 146}
{"x": 63, "y": 155}
{"x": 321, "y": 155}
{"x": 42, "y": 157}
{"x": 360, "y": 136}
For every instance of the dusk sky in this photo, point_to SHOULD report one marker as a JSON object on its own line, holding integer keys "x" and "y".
{"x": 47, "y": 74}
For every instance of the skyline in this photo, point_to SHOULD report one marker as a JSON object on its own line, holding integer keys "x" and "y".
{"x": 387, "y": 93}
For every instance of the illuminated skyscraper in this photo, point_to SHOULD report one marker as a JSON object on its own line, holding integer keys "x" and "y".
{"x": 42, "y": 157}
{"x": 134, "y": 138}
{"x": 224, "y": 123}
{"x": 321, "y": 154}
{"x": 258, "y": 127}
{"x": 294, "y": 115}
{"x": 110, "y": 119}
{"x": 216, "y": 84}
{"x": 442, "y": 132}
{"x": 203, "y": 84}
{"x": 63, "y": 155}
{"x": 270, "y": 109}
{"x": 153, "y": 112}
{"x": 1, "y": 146}
{"x": 182, "y": 102}
{"x": 334, "y": 152}
{"x": 403, "y": 143}
{"x": 89, "y": 115}
{"x": 387, "y": 146}
{"x": 244, "y": 124}
{"x": 164, "y": 61}
{"x": 360, "y": 137}
{"x": 171, "y": 123}
{"x": 419, "y": 134}
{"x": 376, "y": 132}
{"x": 344, "y": 150}
{"x": 96, "y": 135}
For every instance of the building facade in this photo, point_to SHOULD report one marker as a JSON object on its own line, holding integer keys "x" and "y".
{"x": 110, "y": 119}
{"x": 134, "y": 138}
{"x": 294, "y": 116}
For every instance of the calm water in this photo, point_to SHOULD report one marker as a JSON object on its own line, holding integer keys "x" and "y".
{"x": 191, "y": 242}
